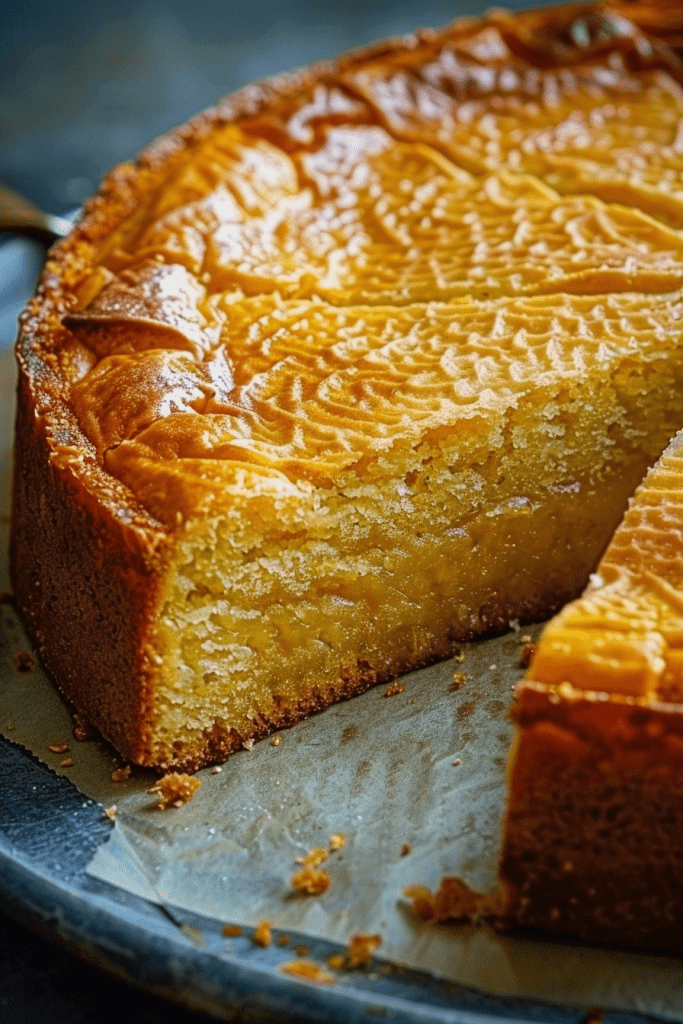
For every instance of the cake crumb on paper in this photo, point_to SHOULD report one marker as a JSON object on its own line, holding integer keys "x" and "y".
{"x": 458, "y": 655}
{"x": 262, "y": 934}
{"x": 314, "y": 857}
{"x": 394, "y": 689}
{"x": 24, "y": 662}
{"x": 405, "y": 849}
{"x": 361, "y": 948}
{"x": 358, "y": 953}
{"x": 309, "y": 971}
{"x": 121, "y": 774}
{"x": 337, "y": 841}
{"x": 312, "y": 881}
{"x": 58, "y": 748}
{"x": 456, "y": 761}
{"x": 301, "y": 950}
{"x": 110, "y": 812}
{"x": 276, "y": 741}
{"x": 459, "y": 680}
{"x": 282, "y": 940}
{"x": 455, "y": 900}
{"x": 231, "y": 931}
{"x": 175, "y": 790}
{"x": 66, "y": 763}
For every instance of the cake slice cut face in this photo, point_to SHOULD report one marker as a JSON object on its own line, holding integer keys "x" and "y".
{"x": 357, "y": 365}
{"x": 596, "y": 772}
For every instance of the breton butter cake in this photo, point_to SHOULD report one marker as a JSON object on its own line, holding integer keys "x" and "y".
{"x": 592, "y": 845}
{"x": 362, "y": 362}
{"x": 366, "y": 360}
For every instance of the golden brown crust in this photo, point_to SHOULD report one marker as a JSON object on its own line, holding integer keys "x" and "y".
{"x": 73, "y": 522}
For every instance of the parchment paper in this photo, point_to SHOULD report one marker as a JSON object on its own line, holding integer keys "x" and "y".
{"x": 378, "y": 769}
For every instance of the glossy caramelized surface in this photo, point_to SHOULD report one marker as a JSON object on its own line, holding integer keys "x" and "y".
{"x": 402, "y": 247}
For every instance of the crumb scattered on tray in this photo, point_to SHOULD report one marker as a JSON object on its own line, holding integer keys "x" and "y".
{"x": 282, "y": 940}
{"x": 110, "y": 812}
{"x": 359, "y": 952}
{"x": 24, "y": 662}
{"x": 458, "y": 655}
{"x": 405, "y": 849}
{"x": 66, "y": 763}
{"x": 301, "y": 950}
{"x": 337, "y": 841}
{"x": 457, "y": 760}
{"x": 361, "y": 948}
{"x": 526, "y": 655}
{"x": 454, "y": 901}
{"x": 231, "y": 931}
{"x": 276, "y": 741}
{"x": 309, "y": 971}
{"x": 459, "y": 680}
{"x": 58, "y": 748}
{"x": 394, "y": 689}
{"x": 121, "y": 774}
{"x": 249, "y": 744}
{"x": 314, "y": 857}
{"x": 312, "y": 881}
{"x": 262, "y": 934}
{"x": 82, "y": 729}
{"x": 175, "y": 789}
{"x": 526, "y": 639}
{"x": 216, "y": 770}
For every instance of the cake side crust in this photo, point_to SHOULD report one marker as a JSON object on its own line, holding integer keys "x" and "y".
{"x": 591, "y": 845}
{"x": 87, "y": 583}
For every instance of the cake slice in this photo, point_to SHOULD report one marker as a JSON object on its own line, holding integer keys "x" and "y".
{"x": 361, "y": 363}
{"x": 592, "y": 841}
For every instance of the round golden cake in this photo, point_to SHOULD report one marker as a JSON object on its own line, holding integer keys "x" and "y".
{"x": 364, "y": 361}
